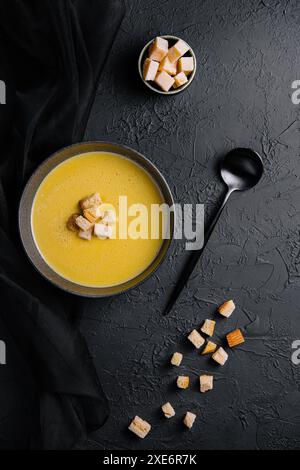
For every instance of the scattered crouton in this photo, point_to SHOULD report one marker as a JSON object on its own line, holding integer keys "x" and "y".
{"x": 189, "y": 419}
{"x": 210, "y": 347}
{"x": 226, "y": 308}
{"x": 71, "y": 223}
{"x": 234, "y": 338}
{"x": 83, "y": 223}
{"x": 139, "y": 427}
{"x": 196, "y": 339}
{"x": 91, "y": 201}
{"x": 168, "y": 410}
{"x": 176, "y": 359}
{"x": 220, "y": 356}
{"x": 183, "y": 381}
{"x": 206, "y": 383}
{"x": 208, "y": 327}
{"x": 85, "y": 234}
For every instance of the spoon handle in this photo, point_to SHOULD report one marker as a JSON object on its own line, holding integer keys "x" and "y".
{"x": 193, "y": 258}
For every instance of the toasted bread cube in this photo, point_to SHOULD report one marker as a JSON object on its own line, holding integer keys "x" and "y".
{"x": 91, "y": 201}
{"x": 220, "y": 356}
{"x": 93, "y": 213}
{"x": 206, "y": 383}
{"x": 186, "y": 65}
{"x": 208, "y": 327}
{"x": 103, "y": 231}
{"x": 189, "y": 419}
{"x": 164, "y": 80}
{"x": 168, "y": 410}
{"x": 167, "y": 66}
{"x": 139, "y": 427}
{"x": 85, "y": 234}
{"x": 83, "y": 223}
{"x": 234, "y": 338}
{"x": 109, "y": 217}
{"x": 196, "y": 339}
{"x": 226, "y": 308}
{"x": 150, "y": 68}
{"x": 71, "y": 223}
{"x": 210, "y": 347}
{"x": 158, "y": 49}
{"x": 176, "y": 359}
{"x": 183, "y": 381}
{"x": 180, "y": 79}
{"x": 89, "y": 216}
{"x": 178, "y": 50}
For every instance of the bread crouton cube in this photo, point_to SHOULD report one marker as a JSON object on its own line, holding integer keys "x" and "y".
{"x": 178, "y": 50}
{"x": 93, "y": 213}
{"x": 90, "y": 201}
{"x": 183, "y": 381}
{"x": 210, "y": 347}
{"x": 168, "y": 410}
{"x": 196, "y": 339}
{"x": 186, "y": 65}
{"x": 234, "y": 338}
{"x": 85, "y": 234}
{"x": 176, "y": 359}
{"x": 180, "y": 79}
{"x": 87, "y": 215}
{"x": 220, "y": 356}
{"x": 139, "y": 427}
{"x": 206, "y": 383}
{"x": 189, "y": 419}
{"x": 226, "y": 308}
{"x": 158, "y": 49}
{"x": 167, "y": 66}
{"x": 150, "y": 68}
{"x": 164, "y": 80}
{"x": 71, "y": 223}
{"x": 83, "y": 223}
{"x": 103, "y": 231}
{"x": 208, "y": 327}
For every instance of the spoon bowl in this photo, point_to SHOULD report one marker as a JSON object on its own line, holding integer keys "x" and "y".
{"x": 241, "y": 169}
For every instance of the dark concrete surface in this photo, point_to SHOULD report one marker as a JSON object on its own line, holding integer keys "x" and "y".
{"x": 248, "y": 56}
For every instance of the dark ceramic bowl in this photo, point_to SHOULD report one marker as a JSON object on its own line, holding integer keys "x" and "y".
{"x": 25, "y": 211}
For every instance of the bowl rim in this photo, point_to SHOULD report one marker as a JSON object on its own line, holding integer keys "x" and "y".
{"x": 148, "y": 84}
{"x": 25, "y": 210}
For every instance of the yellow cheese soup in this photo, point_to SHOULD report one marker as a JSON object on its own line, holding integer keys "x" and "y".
{"x": 98, "y": 262}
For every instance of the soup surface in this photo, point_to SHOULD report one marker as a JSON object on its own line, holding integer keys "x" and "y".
{"x": 97, "y": 262}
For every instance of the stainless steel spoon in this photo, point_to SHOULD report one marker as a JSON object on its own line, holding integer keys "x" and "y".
{"x": 241, "y": 169}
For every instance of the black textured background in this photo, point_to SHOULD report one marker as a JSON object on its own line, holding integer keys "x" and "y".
{"x": 248, "y": 56}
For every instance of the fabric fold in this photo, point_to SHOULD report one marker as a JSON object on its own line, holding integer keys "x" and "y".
{"x": 51, "y": 58}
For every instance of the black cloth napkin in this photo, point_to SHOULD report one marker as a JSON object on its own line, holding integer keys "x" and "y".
{"x": 51, "y": 57}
